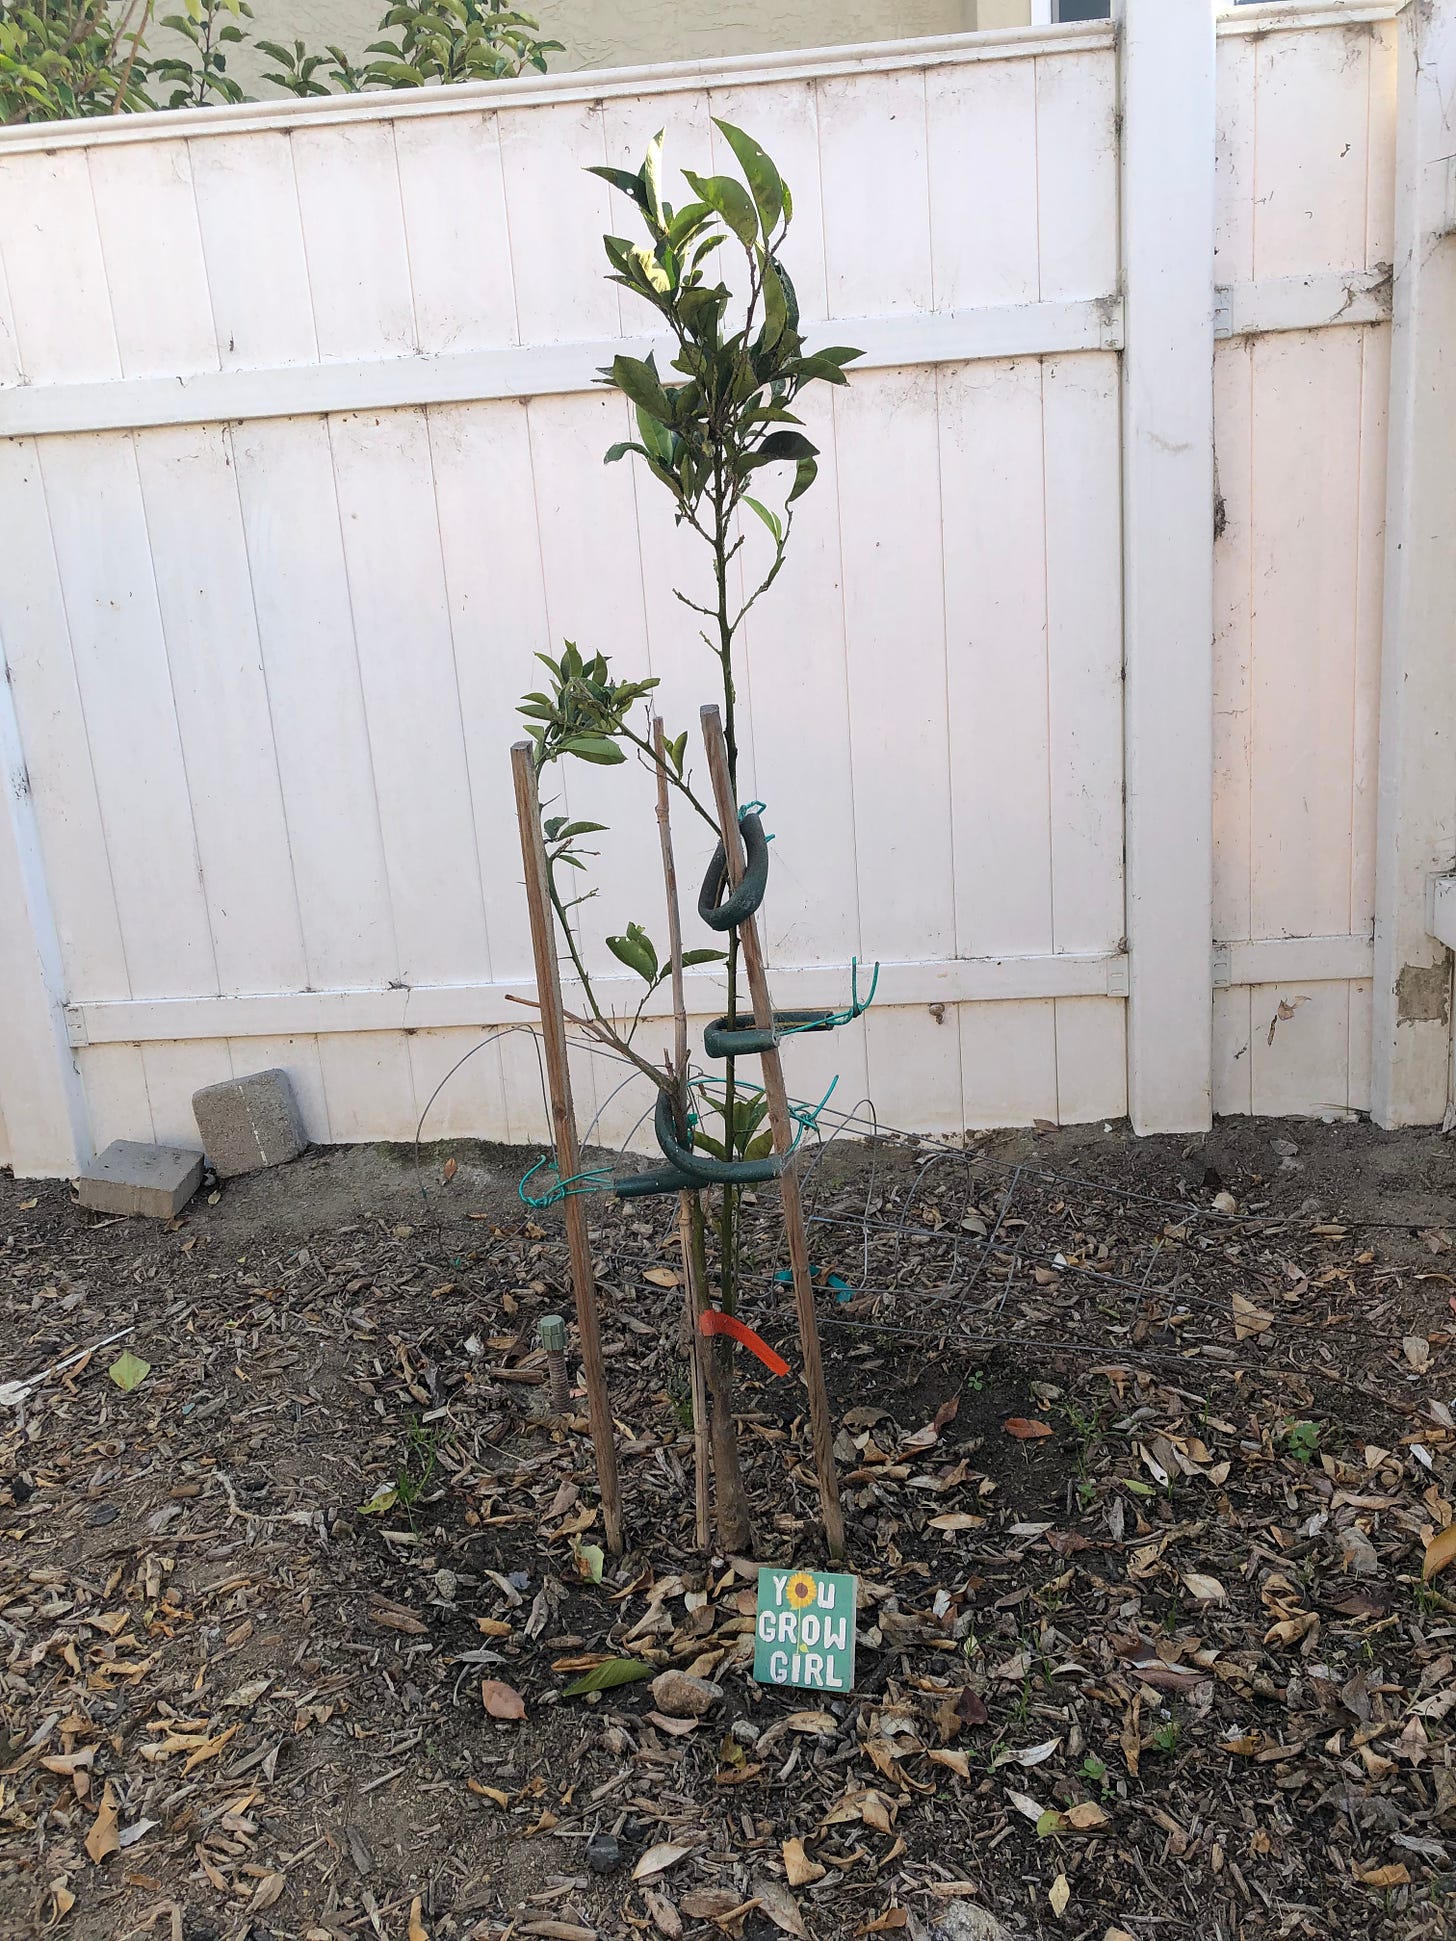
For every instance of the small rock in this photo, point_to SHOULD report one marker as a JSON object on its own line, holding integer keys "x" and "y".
{"x": 603, "y": 1853}
{"x": 682, "y": 1696}
{"x": 1225, "y": 1202}
{"x": 1285, "y": 1148}
{"x": 745, "y": 1732}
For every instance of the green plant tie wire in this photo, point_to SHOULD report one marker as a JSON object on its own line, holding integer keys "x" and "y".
{"x": 753, "y": 808}
{"x": 597, "y": 1180}
{"x": 857, "y": 1006}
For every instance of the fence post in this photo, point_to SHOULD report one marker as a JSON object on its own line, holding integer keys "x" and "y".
{"x": 40, "y": 1088}
{"x": 1416, "y": 812}
{"x": 1166, "y": 57}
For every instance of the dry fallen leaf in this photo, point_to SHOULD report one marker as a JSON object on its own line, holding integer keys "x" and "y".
{"x": 447, "y": 1173}
{"x": 417, "y": 1930}
{"x": 1439, "y": 1552}
{"x": 1290, "y": 1630}
{"x": 798, "y": 1866}
{"x": 1207, "y": 1590}
{"x": 822, "y": 1724}
{"x": 662, "y": 1277}
{"x": 658, "y": 1859}
{"x": 893, "y": 1917}
{"x": 1025, "y": 1430}
{"x": 780, "y": 1906}
{"x": 952, "y": 1760}
{"x": 1086, "y": 1817}
{"x": 103, "y": 1837}
{"x": 1059, "y": 1893}
{"x": 1249, "y": 1319}
{"x": 502, "y": 1701}
{"x": 675, "y": 1728}
{"x": 1381, "y": 1878}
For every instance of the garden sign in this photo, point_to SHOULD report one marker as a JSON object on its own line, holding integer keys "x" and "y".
{"x": 804, "y": 1632}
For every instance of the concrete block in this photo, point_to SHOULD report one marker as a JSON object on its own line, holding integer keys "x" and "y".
{"x": 133, "y": 1178}
{"x": 249, "y": 1123}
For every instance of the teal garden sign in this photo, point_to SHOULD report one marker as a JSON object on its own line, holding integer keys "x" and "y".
{"x": 804, "y": 1631}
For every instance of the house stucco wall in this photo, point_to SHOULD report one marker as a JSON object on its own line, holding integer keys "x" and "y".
{"x": 623, "y": 33}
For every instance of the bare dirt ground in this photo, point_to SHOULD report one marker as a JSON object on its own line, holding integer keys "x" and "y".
{"x": 1140, "y": 1491}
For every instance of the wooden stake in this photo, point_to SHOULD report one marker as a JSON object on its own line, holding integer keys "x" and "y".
{"x": 563, "y": 1116}
{"x": 820, "y": 1424}
{"x": 695, "y": 1294}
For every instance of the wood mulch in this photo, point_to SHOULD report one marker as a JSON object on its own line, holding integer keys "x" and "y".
{"x": 1139, "y": 1493}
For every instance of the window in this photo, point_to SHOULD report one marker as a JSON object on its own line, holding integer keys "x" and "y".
{"x": 1046, "y": 13}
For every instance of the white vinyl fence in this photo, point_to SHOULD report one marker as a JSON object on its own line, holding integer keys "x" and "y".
{"x": 1108, "y": 698}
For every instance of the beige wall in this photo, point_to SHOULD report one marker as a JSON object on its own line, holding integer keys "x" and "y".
{"x": 618, "y": 33}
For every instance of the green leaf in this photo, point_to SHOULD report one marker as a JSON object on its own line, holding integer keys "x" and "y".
{"x": 805, "y": 473}
{"x": 626, "y": 181}
{"x": 655, "y": 435}
{"x": 637, "y": 951}
{"x": 759, "y": 172}
{"x": 821, "y": 369}
{"x": 579, "y": 829}
{"x": 594, "y": 748}
{"x": 129, "y": 1371}
{"x": 652, "y": 176}
{"x": 590, "y": 1560}
{"x": 759, "y": 1148}
{"x": 642, "y": 385}
{"x": 730, "y": 200}
{"x": 606, "y": 1677}
{"x": 784, "y": 444}
{"x": 770, "y": 519}
{"x": 651, "y": 271}
{"x": 383, "y": 1499}
{"x": 691, "y": 957}
{"x": 676, "y": 750}
{"x": 614, "y": 452}
{"x": 775, "y": 307}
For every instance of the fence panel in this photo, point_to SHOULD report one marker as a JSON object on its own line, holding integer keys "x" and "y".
{"x": 286, "y": 542}
{"x": 1300, "y": 430}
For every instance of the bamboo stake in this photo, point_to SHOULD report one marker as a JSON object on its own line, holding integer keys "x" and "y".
{"x": 695, "y": 1294}
{"x": 820, "y": 1423}
{"x": 568, "y": 1153}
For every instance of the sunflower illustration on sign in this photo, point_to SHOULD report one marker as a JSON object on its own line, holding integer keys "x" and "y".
{"x": 799, "y": 1591}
